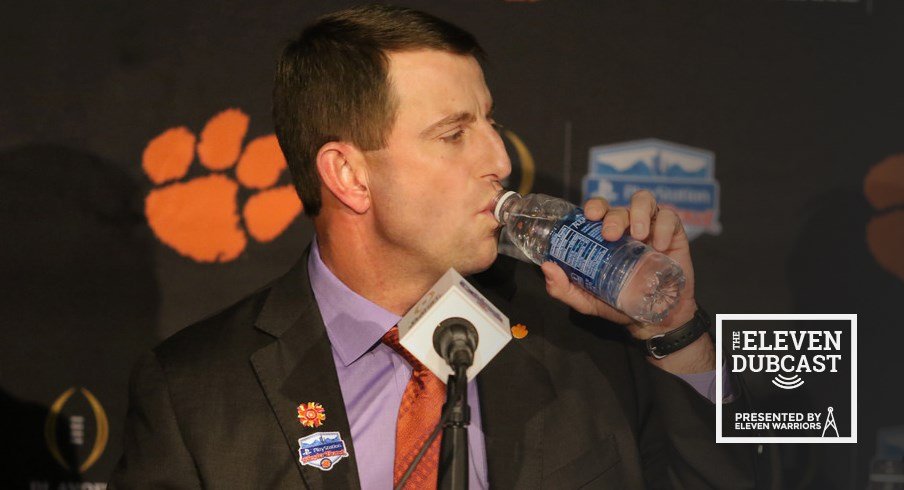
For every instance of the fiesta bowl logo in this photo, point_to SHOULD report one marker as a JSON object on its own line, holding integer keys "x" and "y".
{"x": 205, "y": 217}
{"x": 791, "y": 352}
{"x": 72, "y": 429}
{"x": 681, "y": 177}
{"x": 322, "y": 450}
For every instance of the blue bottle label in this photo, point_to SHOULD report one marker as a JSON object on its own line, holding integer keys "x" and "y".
{"x": 577, "y": 246}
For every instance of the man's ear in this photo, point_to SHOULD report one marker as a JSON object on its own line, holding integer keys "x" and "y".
{"x": 342, "y": 171}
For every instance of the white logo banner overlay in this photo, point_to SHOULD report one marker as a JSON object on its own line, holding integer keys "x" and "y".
{"x": 803, "y": 369}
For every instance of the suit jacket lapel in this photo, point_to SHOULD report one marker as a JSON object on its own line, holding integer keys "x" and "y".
{"x": 298, "y": 368}
{"x": 513, "y": 389}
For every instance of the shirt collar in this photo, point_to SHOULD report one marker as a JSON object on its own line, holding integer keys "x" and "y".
{"x": 353, "y": 323}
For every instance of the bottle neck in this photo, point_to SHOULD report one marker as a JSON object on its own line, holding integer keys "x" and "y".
{"x": 505, "y": 200}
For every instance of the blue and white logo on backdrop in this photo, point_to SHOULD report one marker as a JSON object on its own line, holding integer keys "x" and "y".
{"x": 681, "y": 177}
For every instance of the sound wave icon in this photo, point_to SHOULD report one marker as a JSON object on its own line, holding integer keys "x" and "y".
{"x": 787, "y": 383}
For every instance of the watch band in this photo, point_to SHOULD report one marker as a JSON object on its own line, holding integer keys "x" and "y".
{"x": 659, "y": 346}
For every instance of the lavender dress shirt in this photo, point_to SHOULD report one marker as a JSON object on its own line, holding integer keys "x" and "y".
{"x": 373, "y": 378}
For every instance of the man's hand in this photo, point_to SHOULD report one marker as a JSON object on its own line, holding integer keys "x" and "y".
{"x": 662, "y": 229}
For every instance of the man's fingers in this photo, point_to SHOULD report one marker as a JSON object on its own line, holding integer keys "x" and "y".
{"x": 556, "y": 280}
{"x": 665, "y": 227}
{"x": 595, "y": 209}
{"x": 559, "y": 287}
{"x": 614, "y": 223}
{"x": 638, "y": 217}
{"x": 615, "y": 220}
{"x": 643, "y": 207}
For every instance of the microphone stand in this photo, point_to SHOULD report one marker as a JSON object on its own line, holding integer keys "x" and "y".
{"x": 455, "y": 340}
{"x": 453, "y": 454}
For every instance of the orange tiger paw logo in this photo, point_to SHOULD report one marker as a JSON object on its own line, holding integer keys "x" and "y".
{"x": 199, "y": 217}
{"x": 884, "y": 189}
{"x": 519, "y": 331}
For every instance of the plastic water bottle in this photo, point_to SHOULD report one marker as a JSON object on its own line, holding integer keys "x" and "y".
{"x": 626, "y": 273}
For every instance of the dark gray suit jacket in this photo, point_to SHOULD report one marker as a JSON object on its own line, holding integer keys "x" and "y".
{"x": 568, "y": 406}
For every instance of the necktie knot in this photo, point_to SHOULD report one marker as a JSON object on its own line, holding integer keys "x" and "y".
{"x": 391, "y": 338}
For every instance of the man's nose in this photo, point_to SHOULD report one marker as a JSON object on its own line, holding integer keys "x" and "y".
{"x": 498, "y": 162}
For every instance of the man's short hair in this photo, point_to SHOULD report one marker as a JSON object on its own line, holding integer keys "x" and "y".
{"x": 332, "y": 83}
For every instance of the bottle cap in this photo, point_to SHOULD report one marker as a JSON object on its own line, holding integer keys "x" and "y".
{"x": 499, "y": 202}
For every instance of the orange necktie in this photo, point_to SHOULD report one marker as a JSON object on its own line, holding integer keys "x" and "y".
{"x": 419, "y": 412}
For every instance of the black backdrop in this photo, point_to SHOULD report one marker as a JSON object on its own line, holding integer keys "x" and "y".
{"x": 797, "y": 99}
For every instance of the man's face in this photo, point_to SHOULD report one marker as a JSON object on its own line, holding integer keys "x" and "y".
{"x": 434, "y": 182}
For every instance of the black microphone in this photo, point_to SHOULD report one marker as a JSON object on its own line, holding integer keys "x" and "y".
{"x": 455, "y": 340}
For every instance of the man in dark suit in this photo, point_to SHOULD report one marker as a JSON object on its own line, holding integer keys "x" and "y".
{"x": 386, "y": 123}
